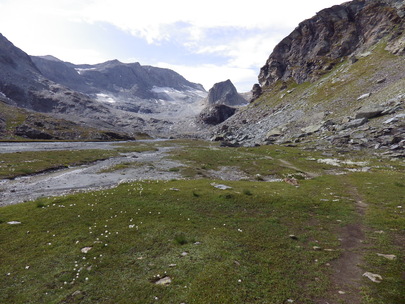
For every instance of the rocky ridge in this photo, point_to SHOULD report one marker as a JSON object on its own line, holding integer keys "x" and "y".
{"x": 126, "y": 86}
{"x": 357, "y": 102}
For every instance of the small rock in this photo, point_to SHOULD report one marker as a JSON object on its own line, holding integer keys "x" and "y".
{"x": 376, "y": 278}
{"x": 184, "y": 253}
{"x": 14, "y": 223}
{"x": 174, "y": 189}
{"x": 364, "y": 96}
{"x": 316, "y": 248}
{"x": 354, "y": 123}
{"x": 291, "y": 181}
{"x": 197, "y": 243}
{"x": 292, "y": 236}
{"x": 365, "y": 54}
{"x": 77, "y": 292}
{"x": 172, "y": 265}
{"x": 369, "y": 112}
{"x": 387, "y": 256}
{"x": 164, "y": 281}
{"x": 86, "y": 249}
{"x": 381, "y": 80}
{"x": 221, "y": 187}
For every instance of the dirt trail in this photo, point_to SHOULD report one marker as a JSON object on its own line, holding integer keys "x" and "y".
{"x": 347, "y": 274}
{"x": 287, "y": 164}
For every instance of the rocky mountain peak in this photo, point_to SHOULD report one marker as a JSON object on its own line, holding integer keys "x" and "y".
{"x": 225, "y": 93}
{"x": 319, "y": 43}
{"x": 12, "y": 57}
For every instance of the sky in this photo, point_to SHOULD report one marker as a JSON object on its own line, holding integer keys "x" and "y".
{"x": 206, "y": 41}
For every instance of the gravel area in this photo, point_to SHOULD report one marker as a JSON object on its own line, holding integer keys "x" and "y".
{"x": 150, "y": 165}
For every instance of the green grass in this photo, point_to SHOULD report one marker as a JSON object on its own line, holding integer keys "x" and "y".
{"x": 24, "y": 163}
{"x": 256, "y": 163}
{"x": 136, "y": 147}
{"x": 241, "y": 238}
{"x": 217, "y": 246}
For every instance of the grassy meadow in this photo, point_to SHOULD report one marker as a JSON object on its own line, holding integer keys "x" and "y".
{"x": 186, "y": 241}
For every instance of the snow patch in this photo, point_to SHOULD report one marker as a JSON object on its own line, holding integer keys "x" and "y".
{"x": 105, "y": 98}
{"x": 337, "y": 162}
{"x": 81, "y": 70}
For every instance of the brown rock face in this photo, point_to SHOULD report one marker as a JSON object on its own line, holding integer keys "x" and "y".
{"x": 317, "y": 44}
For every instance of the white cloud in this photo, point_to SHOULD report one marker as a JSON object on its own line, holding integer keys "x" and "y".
{"x": 44, "y": 27}
{"x": 150, "y": 19}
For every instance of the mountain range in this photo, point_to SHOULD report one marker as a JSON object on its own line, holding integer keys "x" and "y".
{"x": 337, "y": 80}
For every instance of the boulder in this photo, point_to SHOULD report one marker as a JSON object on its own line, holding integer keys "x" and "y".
{"x": 312, "y": 129}
{"x": 216, "y": 114}
{"x": 354, "y": 123}
{"x": 369, "y": 112}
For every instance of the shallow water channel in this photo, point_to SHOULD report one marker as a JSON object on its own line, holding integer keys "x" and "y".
{"x": 152, "y": 165}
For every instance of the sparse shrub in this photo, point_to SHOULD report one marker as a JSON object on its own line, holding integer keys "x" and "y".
{"x": 227, "y": 196}
{"x": 247, "y": 192}
{"x": 180, "y": 239}
{"x": 41, "y": 204}
{"x": 398, "y": 184}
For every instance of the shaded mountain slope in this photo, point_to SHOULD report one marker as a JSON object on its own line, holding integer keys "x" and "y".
{"x": 20, "y": 124}
{"x": 112, "y": 96}
{"x": 127, "y": 86}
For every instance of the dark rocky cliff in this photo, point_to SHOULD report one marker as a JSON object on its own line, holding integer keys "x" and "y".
{"x": 225, "y": 93}
{"x": 221, "y": 103}
{"x": 321, "y": 42}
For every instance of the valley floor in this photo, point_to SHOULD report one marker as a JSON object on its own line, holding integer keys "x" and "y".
{"x": 192, "y": 222}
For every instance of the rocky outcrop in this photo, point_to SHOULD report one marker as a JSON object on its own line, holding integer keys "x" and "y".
{"x": 221, "y": 103}
{"x": 321, "y": 42}
{"x": 225, "y": 93}
{"x": 216, "y": 114}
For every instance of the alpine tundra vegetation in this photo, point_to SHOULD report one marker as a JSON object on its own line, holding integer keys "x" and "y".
{"x": 127, "y": 183}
